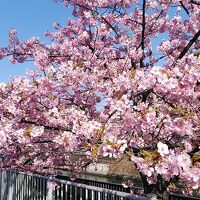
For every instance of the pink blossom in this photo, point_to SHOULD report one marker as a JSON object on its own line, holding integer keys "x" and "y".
{"x": 37, "y": 131}
{"x": 161, "y": 169}
{"x": 162, "y": 149}
{"x": 32, "y": 74}
{"x": 2, "y": 137}
{"x": 127, "y": 183}
{"x": 52, "y": 185}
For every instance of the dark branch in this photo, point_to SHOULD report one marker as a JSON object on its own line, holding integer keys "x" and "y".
{"x": 143, "y": 23}
{"x": 143, "y": 31}
{"x": 195, "y": 2}
{"x": 186, "y": 10}
{"x": 42, "y": 142}
{"x": 191, "y": 42}
{"x": 110, "y": 25}
{"x": 47, "y": 127}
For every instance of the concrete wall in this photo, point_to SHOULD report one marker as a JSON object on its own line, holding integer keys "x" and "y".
{"x": 99, "y": 168}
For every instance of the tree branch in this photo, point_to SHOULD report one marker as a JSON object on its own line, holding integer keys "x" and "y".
{"x": 186, "y": 10}
{"x": 191, "y": 42}
{"x": 45, "y": 126}
{"x": 143, "y": 31}
{"x": 195, "y": 2}
{"x": 110, "y": 25}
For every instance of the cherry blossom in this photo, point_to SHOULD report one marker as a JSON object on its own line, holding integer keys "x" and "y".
{"x": 162, "y": 149}
{"x": 119, "y": 78}
{"x": 128, "y": 183}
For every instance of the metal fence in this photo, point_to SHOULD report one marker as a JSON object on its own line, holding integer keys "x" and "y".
{"x": 119, "y": 187}
{"x": 102, "y": 184}
{"x": 22, "y": 186}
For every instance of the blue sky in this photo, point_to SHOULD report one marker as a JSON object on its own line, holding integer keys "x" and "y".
{"x": 30, "y": 18}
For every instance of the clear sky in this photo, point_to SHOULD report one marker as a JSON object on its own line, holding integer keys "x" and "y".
{"x": 30, "y": 18}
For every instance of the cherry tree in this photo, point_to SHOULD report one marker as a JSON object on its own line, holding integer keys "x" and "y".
{"x": 119, "y": 78}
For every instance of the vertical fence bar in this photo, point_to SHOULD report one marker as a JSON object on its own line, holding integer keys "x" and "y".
{"x": 0, "y": 182}
{"x": 14, "y": 179}
{"x": 44, "y": 189}
{"x": 10, "y": 185}
{"x": 50, "y": 193}
{"x": 81, "y": 193}
{"x": 56, "y": 193}
{"x": 70, "y": 190}
{"x": 106, "y": 196}
{"x": 75, "y": 193}
{"x": 64, "y": 191}
{"x": 27, "y": 183}
{"x": 86, "y": 194}
{"x": 25, "y": 187}
{"x": 67, "y": 191}
{"x": 33, "y": 188}
{"x": 18, "y": 179}
{"x": 60, "y": 191}
{"x": 16, "y": 184}
{"x": 21, "y": 186}
{"x": 98, "y": 195}
{"x": 41, "y": 188}
{"x": 92, "y": 194}
{"x": 19, "y": 192}
{"x": 36, "y": 188}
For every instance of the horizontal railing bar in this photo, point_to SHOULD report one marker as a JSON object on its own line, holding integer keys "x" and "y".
{"x": 183, "y": 197}
{"x": 101, "y": 182}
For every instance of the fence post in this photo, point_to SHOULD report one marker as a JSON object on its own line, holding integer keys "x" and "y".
{"x": 10, "y": 185}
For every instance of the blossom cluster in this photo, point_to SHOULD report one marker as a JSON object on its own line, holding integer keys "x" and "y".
{"x": 101, "y": 88}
